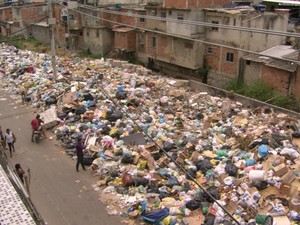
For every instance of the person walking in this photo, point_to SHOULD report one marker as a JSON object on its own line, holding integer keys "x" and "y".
{"x": 10, "y": 139}
{"x": 79, "y": 152}
{"x": 2, "y": 139}
{"x": 20, "y": 172}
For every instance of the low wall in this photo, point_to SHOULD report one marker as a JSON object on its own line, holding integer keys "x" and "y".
{"x": 247, "y": 102}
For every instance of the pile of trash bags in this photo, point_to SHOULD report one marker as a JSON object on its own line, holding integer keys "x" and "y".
{"x": 163, "y": 153}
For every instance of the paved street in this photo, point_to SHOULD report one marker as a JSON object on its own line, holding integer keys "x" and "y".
{"x": 59, "y": 199}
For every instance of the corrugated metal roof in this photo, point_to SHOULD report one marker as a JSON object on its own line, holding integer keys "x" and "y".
{"x": 282, "y": 51}
{"x": 123, "y": 29}
{"x": 284, "y": 2}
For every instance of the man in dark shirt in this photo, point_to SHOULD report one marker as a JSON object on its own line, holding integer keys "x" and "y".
{"x": 79, "y": 153}
{"x": 20, "y": 172}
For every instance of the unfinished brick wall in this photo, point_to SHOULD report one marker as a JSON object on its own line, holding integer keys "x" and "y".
{"x": 187, "y": 4}
{"x": 6, "y": 14}
{"x": 32, "y": 13}
{"x": 125, "y": 40}
{"x": 276, "y": 78}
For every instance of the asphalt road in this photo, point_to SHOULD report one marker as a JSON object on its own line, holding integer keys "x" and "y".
{"x": 61, "y": 195}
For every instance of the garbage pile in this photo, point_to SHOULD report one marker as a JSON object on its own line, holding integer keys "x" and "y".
{"x": 165, "y": 154}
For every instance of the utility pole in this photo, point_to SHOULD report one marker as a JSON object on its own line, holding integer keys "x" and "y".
{"x": 52, "y": 22}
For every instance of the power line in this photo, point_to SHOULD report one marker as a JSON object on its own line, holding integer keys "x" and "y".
{"x": 28, "y": 26}
{"x": 165, "y": 153}
{"x": 186, "y": 38}
{"x": 197, "y": 23}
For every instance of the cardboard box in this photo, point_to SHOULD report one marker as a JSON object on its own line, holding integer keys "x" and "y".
{"x": 280, "y": 170}
{"x": 288, "y": 178}
{"x": 285, "y": 189}
{"x": 151, "y": 147}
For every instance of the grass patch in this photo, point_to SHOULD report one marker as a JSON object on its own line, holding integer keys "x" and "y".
{"x": 265, "y": 93}
{"x": 87, "y": 54}
{"x": 22, "y": 43}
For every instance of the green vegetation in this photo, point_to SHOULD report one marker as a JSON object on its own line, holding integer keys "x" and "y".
{"x": 263, "y": 93}
{"x": 87, "y": 54}
{"x": 22, "y": 43}
{"x": 203, "y": 72}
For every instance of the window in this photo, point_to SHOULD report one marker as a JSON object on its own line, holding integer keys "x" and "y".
{"x": 215, "y": 28}
{"x": 153, "y": 12}
{"x": 154, "y": 42}
{"x": 188, "y": 45}
{"x": 170, "y": 12}
{"x": 248, "y": 62}
{"x": 142, "y": 20}
{"x": 163, "y": 15}
{"x": 234, "y": 22}
{"x": 229, "y": 57}
{"x": 71, "y": 17}
{"x": 209, "y": 50}
{"x": 180, "y": 16}
{"x": 87, "y": 33}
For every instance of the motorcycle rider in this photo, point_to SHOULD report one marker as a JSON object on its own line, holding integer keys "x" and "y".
{"x": 36, "y": 125}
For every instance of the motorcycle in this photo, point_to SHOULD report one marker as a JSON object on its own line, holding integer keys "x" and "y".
{"x": 37, "y": 136}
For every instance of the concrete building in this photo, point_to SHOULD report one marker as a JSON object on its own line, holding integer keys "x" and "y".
{"x": 225, "y": 63}
{"x": 276, "y": 73}
{"x": 41, "y": 32}
{"x": 25, "y": 15}
{"x": 6, "y": 20}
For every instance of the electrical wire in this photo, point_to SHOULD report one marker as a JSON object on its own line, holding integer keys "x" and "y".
{"x": 186, "y": 38}
{"x": 28, "y": 26}
{"x": 197, "y": 23}
{"x": 165, "y": 153}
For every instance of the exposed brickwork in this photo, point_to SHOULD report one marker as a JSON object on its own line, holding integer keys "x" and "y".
{"x": 164, "y": 46}
{"x": 32, "y": 13}
{"x": 213, "y": 57}
{"x": 150, "y": 49}
{"x": 6, "y": 14}
{"x": 278, "y": 79}
{"x": 230, "y": 68}
{"x": 125, "y": 40}
{"x": 187, "y": 4}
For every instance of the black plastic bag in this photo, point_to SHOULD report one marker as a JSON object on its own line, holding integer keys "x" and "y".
{"x": 88, "y": 97}
{"x": 88, "y": 160}
{"x": 213, "y": 191}
{"x": 51, "y": 100}
{"x": 140, "y": 181}
{"x": 156, "y": 155}
{"x": 199, "y": 196}
{"x": 80, "y": 110}
{"x": 148, "y": 119}
{"x": 296, "y": 134}
{"x": 231, "y": 169}
{"x": 168, "y": 146}
{"x": 260, "y": 185}
{"x": 172, "y": 182}
{"x": 204, "y": 165}
{"x": 105, "y": 130}
{"x": 192, "y": 173}
{"x": 113, "y": 117}
{"x": 127, "y": 159}
{"x": 193, "y": 205}
{"x": 199, "y": 116}
{"x": 152, "y": 188}
{"x": 209, "y": 221}
{"x": 121, "y": 95}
